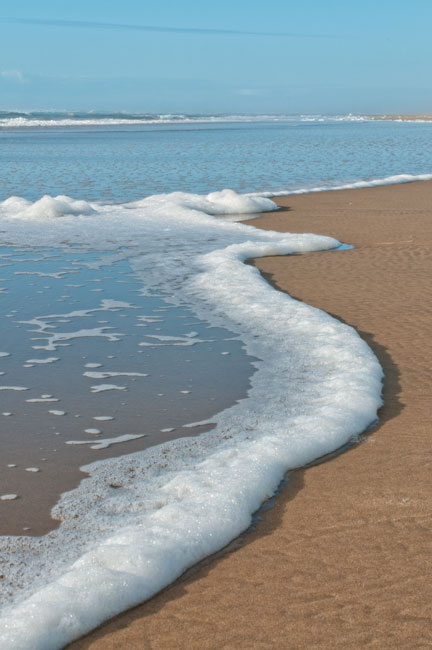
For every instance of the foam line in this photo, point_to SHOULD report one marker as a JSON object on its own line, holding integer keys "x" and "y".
{"x": 316, "y": 386}
{"x": 374, "y": 182}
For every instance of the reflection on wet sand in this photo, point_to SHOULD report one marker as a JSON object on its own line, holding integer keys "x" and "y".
{"x": 90, "y": 368}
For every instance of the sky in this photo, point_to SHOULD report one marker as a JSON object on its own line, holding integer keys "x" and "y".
{"x": 241, "y": 56}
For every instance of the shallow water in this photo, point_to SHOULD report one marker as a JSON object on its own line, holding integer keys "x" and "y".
{"x": 106, "y": 374}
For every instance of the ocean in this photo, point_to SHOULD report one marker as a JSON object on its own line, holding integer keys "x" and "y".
{"x": 131, "y": 322}
{"x": 118, "y": 159}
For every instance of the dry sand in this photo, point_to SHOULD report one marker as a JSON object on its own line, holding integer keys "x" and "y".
{"x": 343, "y": 559}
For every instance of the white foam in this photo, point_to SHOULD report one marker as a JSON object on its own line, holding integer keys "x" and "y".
{"x": 8, "y": 497}
{"x": 47, "y": 207}
{"x": 13, "y": 388}
{"x": 108, "y": 304}
{"x": 35, "y": 400}
{"x": 150, "y": 319}
{"x": 55, "y": 412}
{"x": 191, "y": 425}
{"x": 105, "y": 443}
{"x": 47, "y": 360}
{"x": 100, "y": 388}
{"x": 105, "y": 375}
{"x": 103, "y": 417}
{"x": 54, "y": 340}
{"x": 4, "y": 354}
{"x": 182, "y": 341}
{"x": 40, "y": 274}
{"x": 373, "y": 182}
{"x": 316, "y": 386}
{"x": 224, "y": 202}
{"x": 59, "y": 120}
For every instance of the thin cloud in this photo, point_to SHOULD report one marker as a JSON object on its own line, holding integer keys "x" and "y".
{"x": 12, "y": 75}
{"x": 81, "y": 24}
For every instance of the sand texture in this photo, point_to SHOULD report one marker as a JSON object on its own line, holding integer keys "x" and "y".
{"x": 343, "y": 560}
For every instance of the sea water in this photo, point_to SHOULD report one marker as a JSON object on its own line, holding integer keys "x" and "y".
{"x": 122, "y": 161}
{"x": 95, "y": 368}
{"x": 150, "y": 195}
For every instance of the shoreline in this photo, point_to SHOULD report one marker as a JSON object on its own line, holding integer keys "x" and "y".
{"x": 62, "y": 446}
{"x": 312, "y": 570}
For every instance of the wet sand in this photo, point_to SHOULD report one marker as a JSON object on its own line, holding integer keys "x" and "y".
{"x": 343, "y": 558}
{"x": 51, "y": 427}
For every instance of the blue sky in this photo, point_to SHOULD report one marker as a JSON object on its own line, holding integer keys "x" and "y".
{"x": 324, "y": 56}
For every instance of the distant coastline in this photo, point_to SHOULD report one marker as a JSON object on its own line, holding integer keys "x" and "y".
{"x": 405, "y": 117}
{"x": 15, "y": 119}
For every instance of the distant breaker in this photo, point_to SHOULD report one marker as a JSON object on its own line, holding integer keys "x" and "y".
{"x": 417, "y": 117}
{"x": 35, "y": 119}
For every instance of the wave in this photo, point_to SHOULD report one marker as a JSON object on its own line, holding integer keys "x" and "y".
{"x": 16, "y": 119}
{"x": 316, "y": 386}
{"x": 46, "y": 119}
{"x": 331, "y": 186}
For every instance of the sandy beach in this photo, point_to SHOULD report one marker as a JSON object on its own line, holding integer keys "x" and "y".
{"x": 342, "y": 560}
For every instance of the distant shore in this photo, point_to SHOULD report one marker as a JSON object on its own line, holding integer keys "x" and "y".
{"x": 406, "y": 117}
{"x": 342, "y": 559}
